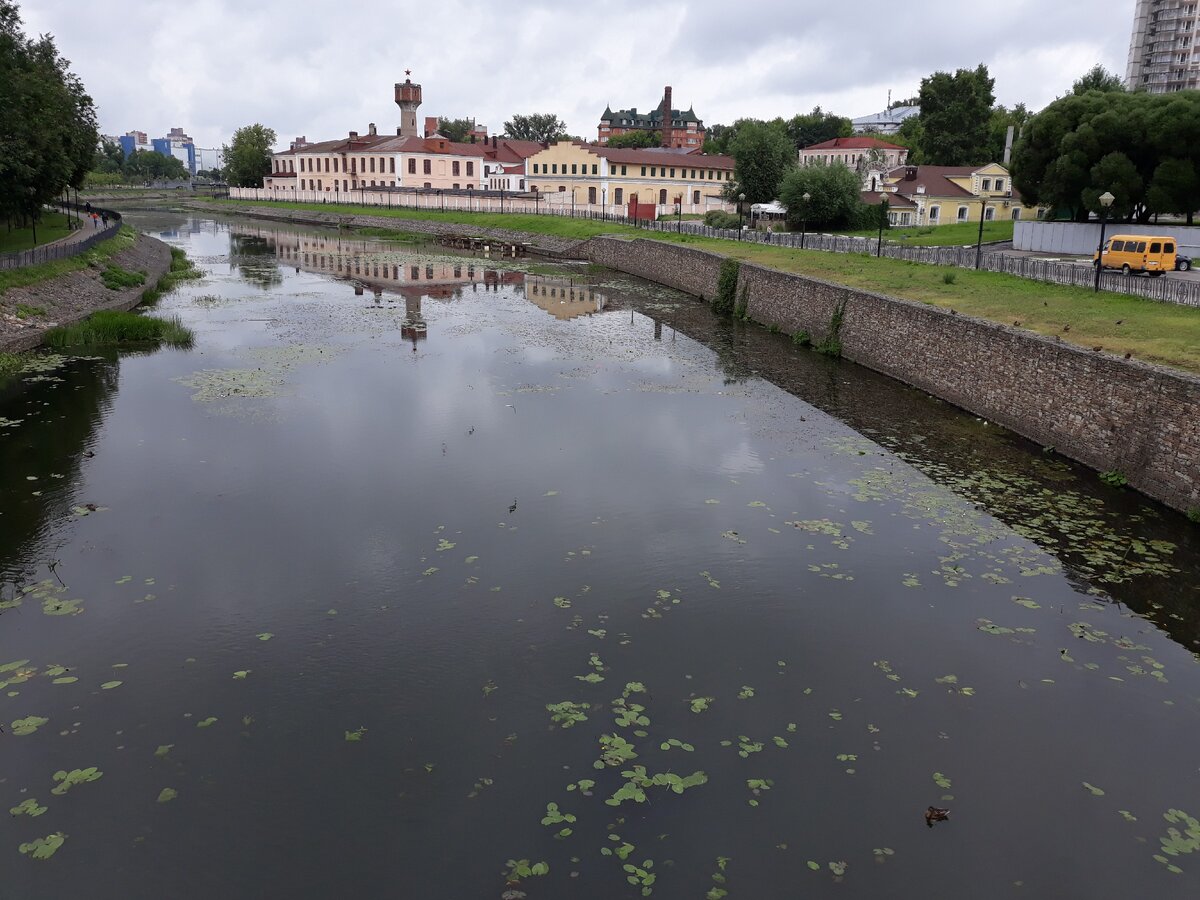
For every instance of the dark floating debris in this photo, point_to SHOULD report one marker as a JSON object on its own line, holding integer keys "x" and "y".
{"x": 933, "y": 814}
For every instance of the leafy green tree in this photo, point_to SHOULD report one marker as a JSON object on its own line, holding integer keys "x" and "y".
{"x": 542, "y": 127}
{"x": 763, "y": 153}
{"x": 1098, "y": 78}
{"x": 834, "y": 191}
{"x": 912, "y": 136}
{"x": 817, "y": 127}
{"x": 146, "y": 165}
{"x": 955, "y": 116}
{"x": 248, "y": 155}
{"x": 1175, "y": 187}
{"x": 110, "y": 158}
{"x": 47, "y": 122}
{"x": 635, "y": 140}
{"x": 717, "y": 138}
{"x": 1117, "y": 174}
{"x": 1002, "y": 118}
{"x": 456, "y": 130}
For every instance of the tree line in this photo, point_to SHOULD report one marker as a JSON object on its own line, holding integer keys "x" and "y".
{"x": 48, "y": 125}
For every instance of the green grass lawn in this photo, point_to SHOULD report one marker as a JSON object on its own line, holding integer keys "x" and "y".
{"x": 51, "y": 228}
{"x": 103, "y": 251}
{"x": 956, "y": 235}
{"x": 1155, "y": 332}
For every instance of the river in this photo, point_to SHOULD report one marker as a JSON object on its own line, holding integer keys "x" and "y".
{"x": 432, "y": 575}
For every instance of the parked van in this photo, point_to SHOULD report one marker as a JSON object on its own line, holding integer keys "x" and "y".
{"x": 1149, "y": 253}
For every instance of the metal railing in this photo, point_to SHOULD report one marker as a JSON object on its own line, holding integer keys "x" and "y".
{"x": 78, "y": 241}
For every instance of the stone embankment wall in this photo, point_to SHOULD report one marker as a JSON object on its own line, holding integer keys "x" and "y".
{"x": 1109, "y": 413}
{"x": 76, "y": 295}
{"x": 548, "y": 245}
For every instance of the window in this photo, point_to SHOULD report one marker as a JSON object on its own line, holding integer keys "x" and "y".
{"x": 470, "y": 167}
{"x": 1141, "y": 247}
{"x": 318, "y": 184}
{"x": 454, "y": 168}
{"x": 653, "y": 171}
{"x": 643, "y": 171}
{"x": 562, "y": 189}
{"x": 345, "y": 185}
{"x": 335, "y": 164}
{"x": 624, "y": 171}
{"x": 427, "y": 167}
{"x": 1116, "y": 245}
{"x": 574, "y": 167}
{"x": 456, "y": 185}
{"x": 619, "y": 196}
{"x": 327, "y": 164}
{"x": 554, "y": 168}
{"x": 1168, "y": 247}
{"x": 591, "y": 195}
{"x": 662, "y": 196}
{"x": 595, "y": 169}
{"x": 933, "y": 213}
{"x": 962, "y": 214}
{"x": 989, "y": 214}
{"x": 672, "y": 173}
{"x": 415, "y": 273}
{"x": 695, "y": 198}
{"x": 987, "y": 184}
{"x": 1016, "y": 214}
{"x": 392, "y": 165}
{"x": 372, "y": 166}
{"x": 412, "y": 166}
{"x": 363, "y": 162}
{"x": 999, "y": 184}
{"x": 428, "y": 185}
{"x": 535, "y": 168}
{"x": 1156, "y": 247}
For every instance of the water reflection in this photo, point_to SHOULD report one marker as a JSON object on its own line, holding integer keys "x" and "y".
{"x": 565, "y": 298}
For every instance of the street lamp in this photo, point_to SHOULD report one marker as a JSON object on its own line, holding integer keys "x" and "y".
{"x": 979, "y": 243}
{"x": 1106, "y": 202}
{"x": 470, "y": 198}
{"x": 883, "y": 212}
{"x": 741, "y": 215}
{"x": 804, "y": 220}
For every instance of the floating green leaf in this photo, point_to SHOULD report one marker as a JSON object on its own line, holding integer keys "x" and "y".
{"x": 163, "y": 750}
{"x": 264, "y": 636}
{"x": 700, "y": 704}
{"x": 205, "y": 723}
{"x": 44, "y": 848}
{"x": 1093, "y": 790}
{"x": 28, "y": 808}
{"x": 357, "y": 734}
{"x": 66, "y": 780}
{"x": 941, "y": 781}
{"x": 109, "y": 685}
{"x": 242, "y": 673}
{"x": 167, "y": 794}
{"x": 28, "y": 725}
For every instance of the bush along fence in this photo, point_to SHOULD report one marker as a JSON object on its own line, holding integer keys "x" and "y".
{"x": 86, "y": 237}
{"x": 1167, "y": 290}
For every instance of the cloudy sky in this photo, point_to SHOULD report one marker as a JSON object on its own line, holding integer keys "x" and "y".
{"x": 323, "y": 68}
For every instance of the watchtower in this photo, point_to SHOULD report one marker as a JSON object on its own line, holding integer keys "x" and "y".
{"x": 408, "y": 98}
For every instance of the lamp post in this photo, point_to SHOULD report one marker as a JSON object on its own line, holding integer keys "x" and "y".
{"x": 1106, "y": 202}
{"x": 883, "y": 211}
{"x": 470, "y": 198}
{"x": 741, "y": 215}
{"x": 679, "y": 213}
{"x": 979, "y": 243}
{"x": 572, "y": 201}
{"x": 804, "y": 220}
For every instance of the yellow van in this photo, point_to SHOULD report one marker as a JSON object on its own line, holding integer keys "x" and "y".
{"x": 1149, "y": 253}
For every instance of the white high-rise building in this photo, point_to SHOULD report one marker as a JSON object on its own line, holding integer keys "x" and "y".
{"x": 1163, "y": 56}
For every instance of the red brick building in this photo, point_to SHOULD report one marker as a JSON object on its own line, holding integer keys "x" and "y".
{"x": 675, "y": 128}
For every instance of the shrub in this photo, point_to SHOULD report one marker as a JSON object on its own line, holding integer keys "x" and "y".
{"x": 832, "y": 345}
{"x": 114, "y": 277}
{"x": 725, "y": 301}
{"x": 802, "y": 339}
{"x": 949, "y": 277}
{"x": 718, "y": 218}
{"x": 11, "y": 364}
{"x": 1193, "y": 514}
{"x": 1114, "y": 479}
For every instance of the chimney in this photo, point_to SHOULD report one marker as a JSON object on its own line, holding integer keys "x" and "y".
{"x": 910, "y": 174}
{"x": 353, "y": 135}
{"x": 666, "y": 116}
{"x": 431, "y": 125}
{"x": 493, "y": 142}
{"x": 398, "y": 130}
{"x": 371, "y": 129}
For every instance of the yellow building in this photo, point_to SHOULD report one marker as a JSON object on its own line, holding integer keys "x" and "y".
{"x": 944, "y": 195}
{"x": 575, "y": 174}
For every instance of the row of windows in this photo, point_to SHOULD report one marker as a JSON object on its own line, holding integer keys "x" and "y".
{"x": 619, "y": 195}
{"x": 368, "y": 165}
{"x": 318, "y": 184}
{"x": 655, "y": 171}
{"x": 987, "y": 184}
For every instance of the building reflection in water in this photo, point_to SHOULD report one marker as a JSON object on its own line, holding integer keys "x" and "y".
{"x": 564, "y": 298}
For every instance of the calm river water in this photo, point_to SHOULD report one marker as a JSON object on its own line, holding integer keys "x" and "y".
{"x": 437, "y": 577}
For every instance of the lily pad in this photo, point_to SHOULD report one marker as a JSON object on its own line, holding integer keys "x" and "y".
{"x": 167, "y": 794}
{"x": 67, "y": 780}
{"x": 205, "y": 723}
{"x": 28, "y": 808}
{"x": 44, "y": 848}
{"x": 28, "y": 725}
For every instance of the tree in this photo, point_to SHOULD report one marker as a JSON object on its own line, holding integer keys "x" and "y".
{"x": 110, "y": 158}
{"x": 834, "y": 191}
{"x": 636, "y": 140}
{"x": 763, "y": 153}
{"x": 1143, "y": 148}
{"x": 1098, "y": 78}
{"x": 456, "y": 130}
{"x": 545, "y": 128}
{"x": 717, "y": 139}
{"x": 817, "y": 127}
{"x": 955, "y": 114}
{"x": 998, "y": 125}
{"x": 150, "y": 165}
{"x": 48, "y": 129}
{"x": 248, "y": 155}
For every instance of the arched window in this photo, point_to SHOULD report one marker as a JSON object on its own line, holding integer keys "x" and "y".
{"x": 619, "y": 196}
{"x": 962, "y": 214}
{"x": 591, "y": 195}
{"x": 1016, "y": 214}
{"x": 662, "y": 197}
{"x": 695, "y": 198}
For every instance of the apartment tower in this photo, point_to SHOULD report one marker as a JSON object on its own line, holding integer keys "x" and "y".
{"x": 1162, "y": 50}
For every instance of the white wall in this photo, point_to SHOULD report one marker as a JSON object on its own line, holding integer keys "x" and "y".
{"x": 1082, "y": 239}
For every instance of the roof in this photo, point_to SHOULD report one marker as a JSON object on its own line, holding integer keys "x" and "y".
{"x": 935, "y": 180}
{"x": 508, "y": 150}
{"x": 854, "y": 143}
{"x": 631, "y": 118}
{"x": 895, "y": 201}
{"x": 518, "y": 169}
{"x": 895, "y": 115}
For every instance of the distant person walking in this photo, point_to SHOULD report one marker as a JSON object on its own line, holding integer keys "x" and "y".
{"x": 88, "y": 207}
{"x": 104, "y": 218}
{"x": 95, "y": 221}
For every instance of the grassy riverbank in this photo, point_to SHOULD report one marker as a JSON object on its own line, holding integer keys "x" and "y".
{"x": 953, "y": 235}
{"x": 52, "y": 227}
{"x": 1154, "y": 332}
{"x": 114, "y": 327}
{"x": 99, "y": 254}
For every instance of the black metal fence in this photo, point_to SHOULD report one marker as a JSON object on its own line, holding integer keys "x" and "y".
{"x": 90, "y": 232}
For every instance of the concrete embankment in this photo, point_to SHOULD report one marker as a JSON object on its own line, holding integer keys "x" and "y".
{"x": 76, "y": 295}
{"x": 544, "y": 244}
{"x": 1112, "y": 414}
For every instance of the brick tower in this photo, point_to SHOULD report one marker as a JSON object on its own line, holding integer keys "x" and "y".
{"x": 666, "y": 116}
{"x": 408, "y": 98}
